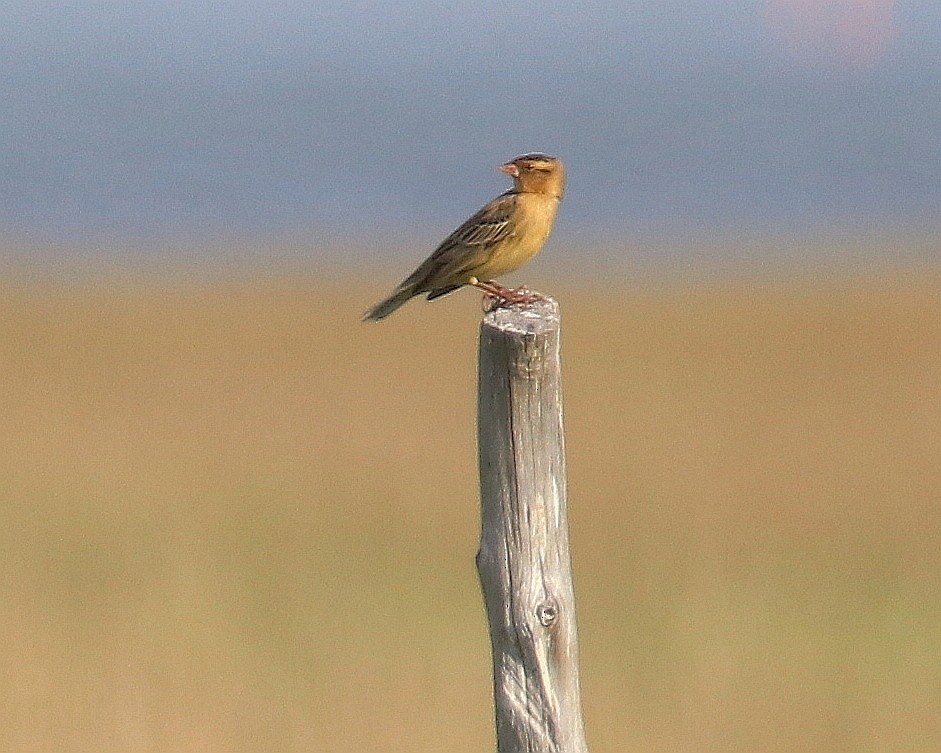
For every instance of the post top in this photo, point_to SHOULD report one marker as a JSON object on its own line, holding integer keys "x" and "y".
{"x": 537, "y": 318}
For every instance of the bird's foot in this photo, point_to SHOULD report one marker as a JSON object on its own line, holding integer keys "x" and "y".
{"x": 496, "y": 296}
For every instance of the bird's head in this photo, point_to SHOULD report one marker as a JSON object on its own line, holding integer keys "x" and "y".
{"x": 537, "y": 173}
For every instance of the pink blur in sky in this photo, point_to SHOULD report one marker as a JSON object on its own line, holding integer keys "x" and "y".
{"x": 852, "y": 33}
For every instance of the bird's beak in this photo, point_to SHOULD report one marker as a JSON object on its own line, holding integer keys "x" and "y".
{"x": 510, "y": 169}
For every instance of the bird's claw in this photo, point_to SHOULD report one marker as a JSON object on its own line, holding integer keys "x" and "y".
{"x": 496, "y": 296}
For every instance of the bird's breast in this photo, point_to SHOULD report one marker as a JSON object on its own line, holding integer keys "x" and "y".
{"x": 536, "y": 215}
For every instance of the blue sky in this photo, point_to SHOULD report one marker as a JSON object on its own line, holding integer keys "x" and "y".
{"x": 341, "y": 121}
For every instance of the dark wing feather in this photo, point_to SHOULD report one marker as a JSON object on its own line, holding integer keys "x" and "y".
{"x": 442, "y": 291}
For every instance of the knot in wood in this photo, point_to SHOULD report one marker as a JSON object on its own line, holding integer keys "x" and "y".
{"x": 547, "y": 613}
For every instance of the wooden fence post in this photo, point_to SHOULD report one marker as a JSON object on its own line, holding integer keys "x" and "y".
{"x": 523, "y": 562}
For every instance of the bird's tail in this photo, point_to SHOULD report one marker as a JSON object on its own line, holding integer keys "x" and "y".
{"x": 382, "y": 309}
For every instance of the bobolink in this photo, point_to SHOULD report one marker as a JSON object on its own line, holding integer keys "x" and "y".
{"x": 501, "y": 237}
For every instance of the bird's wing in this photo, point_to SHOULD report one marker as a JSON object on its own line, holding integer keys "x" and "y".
{"x": 472, "y": 244}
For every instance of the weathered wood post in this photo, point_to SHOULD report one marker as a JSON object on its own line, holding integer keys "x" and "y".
{"x": 523, "y": 562}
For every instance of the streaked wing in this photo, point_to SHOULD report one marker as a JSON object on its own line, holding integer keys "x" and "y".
{"x": 466, "y": 249}
{"x": 471, "y": 245}
{"x": 490, "y": 225}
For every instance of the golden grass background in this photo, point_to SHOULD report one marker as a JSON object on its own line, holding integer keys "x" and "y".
{"x": 233, "y": 518}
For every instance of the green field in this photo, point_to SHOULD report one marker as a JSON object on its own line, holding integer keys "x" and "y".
{"x": 234, "y": 518}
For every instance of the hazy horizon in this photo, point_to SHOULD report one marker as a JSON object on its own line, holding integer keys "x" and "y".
{"x": 351, "y": 121}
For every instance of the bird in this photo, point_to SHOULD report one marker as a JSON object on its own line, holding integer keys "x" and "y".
{"x": 499, "y": 238}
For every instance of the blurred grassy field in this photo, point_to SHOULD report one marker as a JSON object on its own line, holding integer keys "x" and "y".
{"x": 233, "y": 518}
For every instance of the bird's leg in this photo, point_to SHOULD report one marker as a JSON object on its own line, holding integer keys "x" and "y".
{"x": 493, "y": 289}
{"x": 502, "y": 294}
